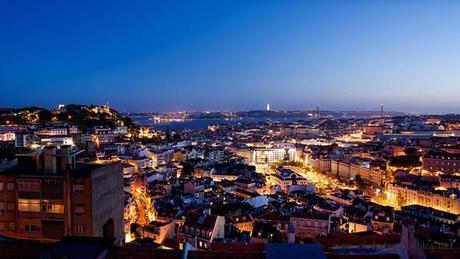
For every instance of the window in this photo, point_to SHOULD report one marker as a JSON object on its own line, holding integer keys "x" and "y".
{"x": 2, "y": 225}
{"x": 1, "y": 187}
{"x": 78, "y": 188}
{"x": 32, "y": 227}
{"x": 79, "y": 209}
{"x": 29, "y": 205}
{"x": 10, "y": 186}
{"x": 28, "y": 185}
{"x": 12, "y": 225}
{"x": 11, "y": 206}
{"x": 52, "y": 206}
{"x": 2, "y": 205}
{"x": 79, "y": 228}
{"x": 51, "y": 181}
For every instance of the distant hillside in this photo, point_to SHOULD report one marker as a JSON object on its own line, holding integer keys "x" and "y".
{"x": 294, "y": 114}
{"x": 83, "y": 115}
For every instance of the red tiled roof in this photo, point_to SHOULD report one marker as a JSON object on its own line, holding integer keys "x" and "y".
{"x": 238, "y": 248}
{"x": 311, "y": 215}
{"x": 362, "y": 238}
{"x": 143, "y": 252}
{"x": 274, "y": 217}
{"x": 220, "y": 255}
{"x": 193, "y": 220}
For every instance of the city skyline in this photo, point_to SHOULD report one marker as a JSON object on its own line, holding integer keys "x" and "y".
{"x": 230, "y": 129}
{"x": 232, "y": 55}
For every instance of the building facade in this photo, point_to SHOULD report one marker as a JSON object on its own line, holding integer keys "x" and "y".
{"x": 440, "y": 200}
{"x": 441, "y": 161}
{"x": 310, "y": 224}
{"x": 56, "y": 198}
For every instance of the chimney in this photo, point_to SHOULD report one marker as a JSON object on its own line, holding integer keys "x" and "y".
{"x": 66, "y": 158}
{"x": 50, "y": 159}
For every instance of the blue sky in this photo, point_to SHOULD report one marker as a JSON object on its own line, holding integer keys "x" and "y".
{"x": 232, "y": 55}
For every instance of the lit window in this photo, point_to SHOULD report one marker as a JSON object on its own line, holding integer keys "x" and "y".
{"x": 29, "y": 205}
{"x": 52, "y": 206}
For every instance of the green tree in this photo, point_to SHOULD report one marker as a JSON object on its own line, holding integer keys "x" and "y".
{"x": 360, "y": 183}
{"x": 187, "y": 169}
{"x": 400, "y": 201}
{"x": 408, "y": 161}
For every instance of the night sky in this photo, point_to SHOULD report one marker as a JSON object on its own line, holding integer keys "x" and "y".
{"x": 232, "y": 55}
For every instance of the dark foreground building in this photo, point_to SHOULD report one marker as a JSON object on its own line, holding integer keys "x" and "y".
{"x": 47, "y": 196}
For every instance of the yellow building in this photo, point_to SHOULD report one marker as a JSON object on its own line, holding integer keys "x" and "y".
{"x": 400, "y": 195}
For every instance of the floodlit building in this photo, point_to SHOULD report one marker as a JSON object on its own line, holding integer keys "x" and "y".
{"x": 447, "y": 201}
{"x": 273, "y": 155}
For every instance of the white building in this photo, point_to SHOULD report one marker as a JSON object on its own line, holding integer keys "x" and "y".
{"x": 56, "y": 140}
{"x": 273, "y": 155}
{"x": 139, "y": 163}
{"x": 54, "y": 131}
{"x": 285, "y": 178}
{"x": 8, "y": 136}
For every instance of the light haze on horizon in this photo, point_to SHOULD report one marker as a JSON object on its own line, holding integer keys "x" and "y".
{"x": 232, "y": 55}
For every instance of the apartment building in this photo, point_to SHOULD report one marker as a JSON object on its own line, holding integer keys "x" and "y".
{"x": 200, "y": 229}
{"x": 47, "y": 196}
{"x": 310, "y": 223}
{"x": 273, "y": 155}
{"x": 448, "y": 201}
{"x": 441, "y": 161}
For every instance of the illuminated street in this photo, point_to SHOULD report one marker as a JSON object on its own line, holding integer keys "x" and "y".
{"x": 323, "y": 183}
{"x": 142, "y": 211}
